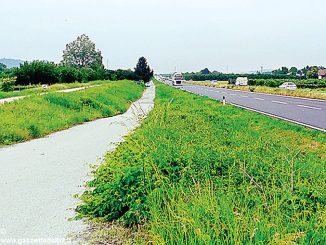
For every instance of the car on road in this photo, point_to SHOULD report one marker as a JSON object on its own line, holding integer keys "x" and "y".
{"x": 288, "y": 85}
{"x": 147, "y": 85}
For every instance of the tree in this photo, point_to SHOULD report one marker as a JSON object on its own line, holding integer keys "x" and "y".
{"x": 293, "y": 70}
{"x": 69, "y": 74}
{"x": 143, "y": 71}
{"x": 284, "y": 70}
{"x": 312, "y": 72}
{"x": 37, "y": 72}
{"x": 205, "y": 71}
{"x": 2, "y": 67}
{"x": 82, "y": 53}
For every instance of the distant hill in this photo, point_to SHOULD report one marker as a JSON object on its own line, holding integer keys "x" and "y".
{"x": 11, "y": 62}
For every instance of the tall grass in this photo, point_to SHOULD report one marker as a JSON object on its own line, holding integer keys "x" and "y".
{"x": 37, "y": 115}
{"x": 197, "y": 172}
{"x": 37, "y": 89}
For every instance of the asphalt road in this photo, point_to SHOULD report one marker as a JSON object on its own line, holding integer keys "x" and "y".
{"x": 38, "y": 178}
{"x": 307, "y": 112}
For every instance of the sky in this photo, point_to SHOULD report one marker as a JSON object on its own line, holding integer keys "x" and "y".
{"x": 182, "y": 35}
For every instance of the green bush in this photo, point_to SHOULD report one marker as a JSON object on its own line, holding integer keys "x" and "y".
{"x": 197, "y": 172}
{"x": 37, "y": 72}
{"x": 44, "y": 72}
{"x": 69, "y": 74}
{"x": 7, "y": 84}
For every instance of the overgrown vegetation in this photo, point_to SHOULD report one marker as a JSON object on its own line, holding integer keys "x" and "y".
{"x": 38, "y": 115}
{"x": 197, "y": 172}
{"x": 20, "y": 90}
{"x": 43, "y": 72}
{"x": 7, "y": 84}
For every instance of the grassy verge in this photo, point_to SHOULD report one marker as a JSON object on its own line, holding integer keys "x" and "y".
{"x": 37, "y": 116}
{"x": 317, "y": 93}
{"x": 52, "y": 88}
{"x": 197, "y": 172}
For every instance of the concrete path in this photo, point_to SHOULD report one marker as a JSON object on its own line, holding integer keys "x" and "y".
{"x": 11, "y": 99}
{"x": 39, "y": 178}
{"x": 69, "y": 90}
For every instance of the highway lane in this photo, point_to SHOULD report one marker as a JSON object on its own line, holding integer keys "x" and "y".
{"x": 308, "y": 112}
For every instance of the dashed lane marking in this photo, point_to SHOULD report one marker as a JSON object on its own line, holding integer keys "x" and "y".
{"x": 310, "y": 107}
{"x": 279, "y": 102}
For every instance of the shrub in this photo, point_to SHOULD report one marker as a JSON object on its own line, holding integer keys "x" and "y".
{"x": 7, "y": 84}
{"x": 37, "y": 72}
{"x": 69, "y": 74}
{"x": 34, "y": 131}
{"x": 43, "y": 72}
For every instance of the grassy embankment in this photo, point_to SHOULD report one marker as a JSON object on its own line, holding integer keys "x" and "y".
{"x": 30, "y": 90}
{"x": 197, "y": 172}
{"x": 317, "y": 93}
{"x": 37, "y": 115}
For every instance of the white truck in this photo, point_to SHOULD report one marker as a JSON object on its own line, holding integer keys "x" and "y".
{"x": 177, "y": 79}
{"x": 241, "y": 81}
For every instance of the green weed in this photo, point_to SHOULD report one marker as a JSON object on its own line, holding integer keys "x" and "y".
{"x": 197, "y": 172}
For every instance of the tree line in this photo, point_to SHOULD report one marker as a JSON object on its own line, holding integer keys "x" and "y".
{"x": 81, "y": 62}
{"x": 307, "y": 72}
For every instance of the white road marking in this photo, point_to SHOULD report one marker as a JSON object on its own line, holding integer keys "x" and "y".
{"x": 279, "y": 117}
{"x": 224, "y": 93}
{"x": 244, "y": 96}
{"x": 279, "y": 102}
{"x": 258, "y": 98}
{"x": 233, "y": 94}
{"x": 310, "y": 107}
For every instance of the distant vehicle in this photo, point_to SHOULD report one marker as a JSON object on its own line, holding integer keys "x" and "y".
{"x": 45, "y": 86}
{"x": 147, "y": 85}
{"x": 177, "y": 79}
{"x": 241, "y": 81}
{"x": 288, "y": 85}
